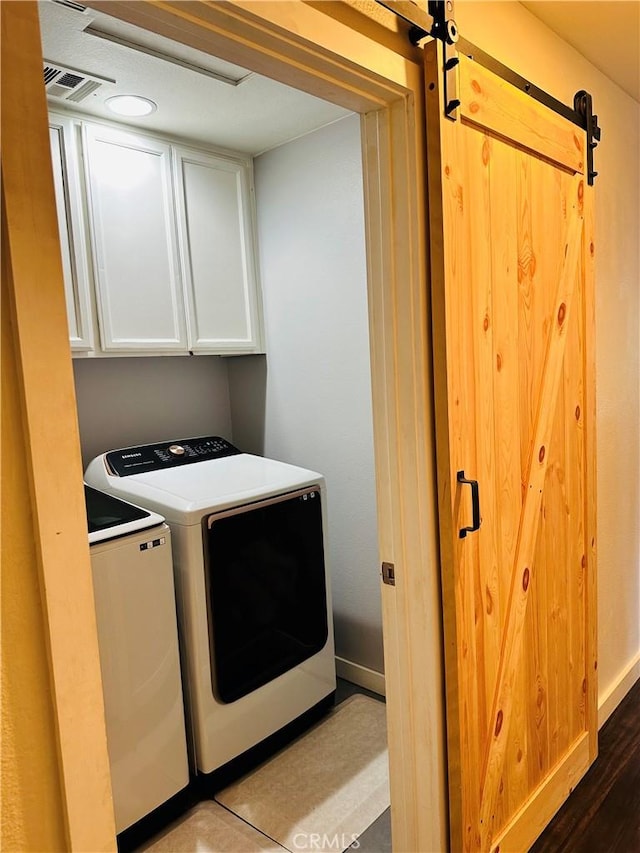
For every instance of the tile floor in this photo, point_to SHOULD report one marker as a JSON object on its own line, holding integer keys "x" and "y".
{"x": 375, "y": 839}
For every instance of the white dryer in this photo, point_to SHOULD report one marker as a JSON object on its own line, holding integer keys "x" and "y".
{"x": 254, "y": 600}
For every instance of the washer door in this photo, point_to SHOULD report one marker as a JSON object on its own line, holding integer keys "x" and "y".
{"x": 267, "y": 599}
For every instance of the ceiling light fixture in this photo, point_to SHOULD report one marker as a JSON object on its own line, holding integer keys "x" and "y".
{"x": 131, "y": 105}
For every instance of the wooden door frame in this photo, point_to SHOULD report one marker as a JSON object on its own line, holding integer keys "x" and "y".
{"x": 356, "y": 55}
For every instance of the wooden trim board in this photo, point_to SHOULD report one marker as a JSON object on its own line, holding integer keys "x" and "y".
{"x": 53, "y": 446}
{"x": 495, "y": 105}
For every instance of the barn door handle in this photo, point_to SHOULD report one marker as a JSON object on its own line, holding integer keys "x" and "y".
{"x": 475, "y": 503}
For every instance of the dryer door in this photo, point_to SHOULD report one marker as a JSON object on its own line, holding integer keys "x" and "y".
{"x": 266, "y": 590}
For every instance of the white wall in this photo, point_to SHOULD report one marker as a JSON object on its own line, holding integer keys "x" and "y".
{"x": 514, "y": 36}
{"x": 309, "y": 401}
{"x": 125, "y": 401}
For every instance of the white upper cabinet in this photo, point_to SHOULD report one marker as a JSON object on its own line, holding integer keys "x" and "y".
{"x": 158, "y": 243}
{"x": 66, "y": 176}
{"x": 215, "y": 216}
{"x": 134, "y": 240}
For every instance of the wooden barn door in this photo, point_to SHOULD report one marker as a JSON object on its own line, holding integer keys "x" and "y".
{"x": 512, "y": 270}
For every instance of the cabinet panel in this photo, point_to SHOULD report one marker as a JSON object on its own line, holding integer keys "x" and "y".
{"x": 134, "y": 241}
{"x": 218, "y": 258}
{"x": 64, "y": 159}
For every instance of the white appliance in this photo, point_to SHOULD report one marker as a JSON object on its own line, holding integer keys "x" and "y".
{"x": 254, "y": 601}
{"x": 138, "y": 641}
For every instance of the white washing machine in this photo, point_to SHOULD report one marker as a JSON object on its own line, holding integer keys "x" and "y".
{"x": 254, "y": 600}
{"x": 139, "y": 656}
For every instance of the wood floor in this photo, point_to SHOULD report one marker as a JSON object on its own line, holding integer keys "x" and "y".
{"x": 602, "y": 815}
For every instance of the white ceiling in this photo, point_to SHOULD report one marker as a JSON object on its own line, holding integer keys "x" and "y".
{"x": 251, "y": 117}
{"x": 606, "y": 32}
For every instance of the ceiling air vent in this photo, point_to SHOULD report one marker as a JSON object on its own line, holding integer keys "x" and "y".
{"x": 69, "y": 84}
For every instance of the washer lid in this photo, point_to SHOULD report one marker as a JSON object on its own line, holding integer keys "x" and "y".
{"x": 184, "y": 494}
{"x": 109, "y": 517}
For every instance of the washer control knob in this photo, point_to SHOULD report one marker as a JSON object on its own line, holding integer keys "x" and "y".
{"x": 176, "y": 450}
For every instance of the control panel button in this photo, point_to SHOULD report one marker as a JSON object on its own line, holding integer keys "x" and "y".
{"x": 177, "y": 450}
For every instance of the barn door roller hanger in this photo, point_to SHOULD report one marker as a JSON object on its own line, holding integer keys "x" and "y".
{"x": 438, "y": 22}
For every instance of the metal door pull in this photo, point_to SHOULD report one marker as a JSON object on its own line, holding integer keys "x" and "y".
{"x": 475, "y": 503}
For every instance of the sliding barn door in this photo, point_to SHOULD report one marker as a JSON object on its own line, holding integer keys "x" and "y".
{"x": 511, "y": 231}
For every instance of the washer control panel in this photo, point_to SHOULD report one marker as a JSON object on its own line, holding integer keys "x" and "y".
{"x": 168, "y": 454}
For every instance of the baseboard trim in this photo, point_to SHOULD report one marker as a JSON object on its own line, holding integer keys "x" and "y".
{"x": 618, "y": 689}
{"x": 360, "y": 675}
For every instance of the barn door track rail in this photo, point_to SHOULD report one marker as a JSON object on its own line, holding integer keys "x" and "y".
{"x": 438, "y": 23}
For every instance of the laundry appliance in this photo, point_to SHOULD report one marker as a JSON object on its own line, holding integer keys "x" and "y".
{"x": 134, "y": 596}
{"x": 253, "y": 591}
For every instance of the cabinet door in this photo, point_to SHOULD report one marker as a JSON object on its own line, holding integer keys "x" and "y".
{"x": 73, "y": 243}
{"x": 139, "y": 293}
{"x": 217, "y": 252}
